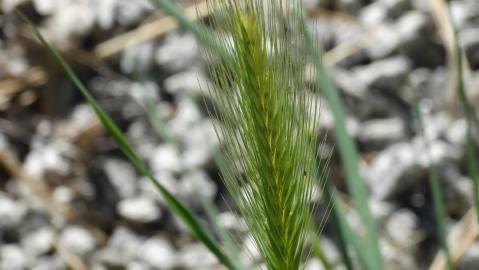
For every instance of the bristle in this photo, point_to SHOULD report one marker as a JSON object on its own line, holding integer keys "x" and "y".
{"x": 266, "y": 125}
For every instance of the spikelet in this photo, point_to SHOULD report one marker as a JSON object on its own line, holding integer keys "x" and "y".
{"x": 267, "y": 122}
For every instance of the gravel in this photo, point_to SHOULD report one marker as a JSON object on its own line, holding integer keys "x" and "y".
{"x": 158, "y": 254}
{"x": 78, "y": 240}
{"x": 139, "y": 209}
{"x": 56, "y": 137}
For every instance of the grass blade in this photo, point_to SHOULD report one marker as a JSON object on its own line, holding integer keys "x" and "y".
{"x": 348, "y": 153}
{"x": 176, "y": 206}
{"x": 471, "y": 119}
{"x": 437, "y": 194}
{"x": 346, "y": 236}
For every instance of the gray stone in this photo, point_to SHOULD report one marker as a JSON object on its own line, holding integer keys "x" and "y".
{"x": 158, "y": 253}
{"x": 195, "y": 186}
{"x": 456, "y": 133}
{"x": 138, "y": 58}
{"x": 382, "y": 130}
{"x": 380, "y": 209}
{"x": 464, "y": 13}
{"x": 13, "y": 257}
{"x": 402, "y": 227}
{"x": 132, "y": 11}
{"x": 458, "y": 190}
{"x": 397, "y": 257}
{"x": 165, "y": 157}
{"x": 121, "y": 249}
{"x": 39, "y": 242}
{"x": 78, "y": 240}
{"x": 122, "y": 176}
{"x": 232, "y": 222}
{"x": 138, "y": 266}
{"x": 314, "y": 264}
{"x": 406, "y": 33}
{"x": 166, "y": 179}
{"x": 187, "y": 115}
{"x": 196, "y": 256}
{"x": 323, "y": 30}
{"x": 53, "y": 262}
{"x": 139, "y": 209}
{"x": 401, "y": 164}
{"x": 389, "y": 74}
{"x": 12, "y": 212}
{"x": 178, "y": 51}
{"x": 373, "y": 14}
{"x": 426, "y": 82}
{"x": 190, "y": 82}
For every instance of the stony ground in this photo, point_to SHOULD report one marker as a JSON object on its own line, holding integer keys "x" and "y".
{"x": 70, "y": 200}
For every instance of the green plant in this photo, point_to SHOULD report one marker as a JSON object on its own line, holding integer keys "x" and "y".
{"x": 267, "y": 119}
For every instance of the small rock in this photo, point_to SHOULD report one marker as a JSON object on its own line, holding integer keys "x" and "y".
{"x": 50, "y": 263}
{"x": 401, "y": 164}
{"x": 164, "y": 178}
{"x": 138, "y": 58}
{"x": 190, "y": 82}
{"x": 78, "y": 240}
{"x": 165, "y": 157}
{"x": 121, "y": 249}
{"x": 380, "y": 209}
{"x": 139, "y": 209}
{"x": 196, "y": 156}
{"x": 122, "y": 175}
{"x": 330, "y": 250}
{"x": 179, "y": 51}
{"x": 464, "y": 13}
{"x": 402, "y": 226}
{"x": 388, "y": 74}
{"x": 314, "y": 264}
{"x": 138, "y": 266}
{"x": 250, "y": 254}
{"x": 232, "y": 222}
{"x": 406, "y": 34}
{"x": 197, "y": 185}
{"x": 158, "y": 253}
{"x": 456, "y": 133}
{"x": 13, "y": 257}
{"x": 196, "y": 256}
{"x": 373, "y": 14}
{"x": 187, "y": 115}
{"x": 396, "y": 258}
{"x": 39, "y": 242}
{"x": 458, "y": 190}
{"x": 323, "y": 30}
{"x": 132, "y": 11}
{"x": 382, "y": 131}
{"x": 12, "y": 212}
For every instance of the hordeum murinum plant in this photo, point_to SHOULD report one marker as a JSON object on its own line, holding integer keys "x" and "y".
{"x": 267, "y": 121}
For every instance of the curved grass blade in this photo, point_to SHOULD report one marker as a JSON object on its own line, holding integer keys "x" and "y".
{"x": 436, "y": 190}
{"x": 348, "y": 153}
{"x": 176, "y": 206}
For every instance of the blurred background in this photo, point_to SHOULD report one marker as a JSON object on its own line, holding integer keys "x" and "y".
{"x": 70, "y": 200}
